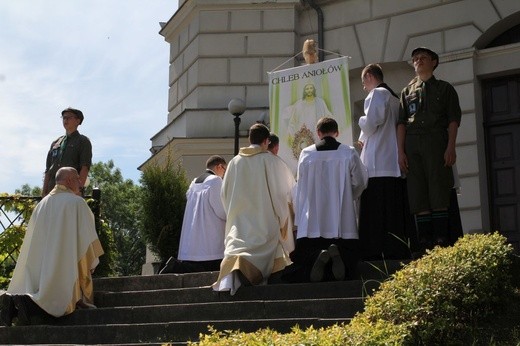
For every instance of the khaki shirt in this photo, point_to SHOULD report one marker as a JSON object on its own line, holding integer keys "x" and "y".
{"x": 427, "y": 107}
{"x": 77, "y": 153}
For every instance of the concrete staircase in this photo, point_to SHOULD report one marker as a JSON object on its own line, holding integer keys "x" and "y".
{"x": 173, "y": 308}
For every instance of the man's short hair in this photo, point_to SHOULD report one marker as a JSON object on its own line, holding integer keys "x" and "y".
{"x": 273, "y": 141}
{"x": 258, "y": 133}
{"x": 375, "y": 70}
{"x": 327, "y": 125}
{"x": 214, "y": 161}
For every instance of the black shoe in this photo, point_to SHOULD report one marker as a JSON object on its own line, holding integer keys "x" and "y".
{"x": 338, "y": 267}
{"x": 24, "y": 317}
{"x": 8, "y": 311}
{"x": 318, "y": 269}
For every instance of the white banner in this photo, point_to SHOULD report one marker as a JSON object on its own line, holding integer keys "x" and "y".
{"x": 299, "y": 96}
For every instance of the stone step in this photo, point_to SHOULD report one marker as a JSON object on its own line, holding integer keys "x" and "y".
{"x": 154, "y": 282}
{"x": 337, "y": 289}
{"x": 377, "y": 270}
{"x": 119, "y": 334}
{"x": 238, "y": 310}
{"x": 175, "y": 308}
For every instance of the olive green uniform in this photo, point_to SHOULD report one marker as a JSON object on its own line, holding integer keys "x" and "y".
{"x": 74, "y": 151}
{"x": 426, "y": 109}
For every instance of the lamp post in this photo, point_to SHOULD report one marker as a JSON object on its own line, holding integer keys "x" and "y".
{"x": 236, "y": 107}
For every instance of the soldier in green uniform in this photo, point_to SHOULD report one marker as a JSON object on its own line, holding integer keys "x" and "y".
{"x": 429, "y": 117}
{"x": 70, "y": 150}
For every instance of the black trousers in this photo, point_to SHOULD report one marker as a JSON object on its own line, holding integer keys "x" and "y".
{"x": 175, "y": 266}
{"x": 386, "y": 226}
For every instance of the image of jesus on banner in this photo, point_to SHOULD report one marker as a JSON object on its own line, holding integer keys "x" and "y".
{"x": 300, "y": 96}
{"x": 301, "y": 118}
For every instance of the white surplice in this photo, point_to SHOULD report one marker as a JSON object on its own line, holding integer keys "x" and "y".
{"x": 60, "y": 248}
{"x": 256, "y": 193}
{"x": 202, "y": 234}
{"x": 378, "y": 134}
{"x": 328, "y": 183}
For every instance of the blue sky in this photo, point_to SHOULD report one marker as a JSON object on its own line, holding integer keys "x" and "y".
{"x": 105, "y": 57}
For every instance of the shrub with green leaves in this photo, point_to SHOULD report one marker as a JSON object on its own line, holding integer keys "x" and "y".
{"x": 163, "y": 202}
{"x": 12, "y": 237}
{"x": 331, "y": 336}
{"x": 441, "y": 297}
{"x": 106, "y": 264}
{"x": 10, "y": 242}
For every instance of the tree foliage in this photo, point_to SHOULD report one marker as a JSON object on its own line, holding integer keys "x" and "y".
{"x": 28, "y": 190}
{"x": 119, "y": 210}
{"x": 17, "y": 209}
{"x": 163, "y": 201}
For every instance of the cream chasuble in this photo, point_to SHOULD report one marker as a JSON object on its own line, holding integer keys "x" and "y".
{"x": 60, "y": 248}
{"x": 256, "y": 193}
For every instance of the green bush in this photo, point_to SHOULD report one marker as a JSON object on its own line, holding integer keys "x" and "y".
{"x": 451, "y": 296}
{"x": 163, "y": 202}
{"x": 381, "y": 333}
{"x": 441, "y": 297}
{"x": 334, "y": 335}
{"x": 106, "y": 264}
{"x": 10, "y": 243}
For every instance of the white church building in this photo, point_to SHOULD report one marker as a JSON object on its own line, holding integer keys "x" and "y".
{"x": 223, "y": 49}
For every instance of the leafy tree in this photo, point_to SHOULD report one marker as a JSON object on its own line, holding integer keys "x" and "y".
{"x": 163, "y": 201}
{"x": 28, "y": 190}
{"x": 17, "y": 210}
{"x": 120, "y": 208}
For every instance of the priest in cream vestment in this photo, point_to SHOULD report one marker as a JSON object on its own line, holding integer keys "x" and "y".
{"x": 256, "y": 194}
{"x": 59, "y": 251}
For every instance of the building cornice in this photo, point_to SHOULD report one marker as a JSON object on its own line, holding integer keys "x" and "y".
{"x": 496, "y": 51}
{"x": 186, "y": 10}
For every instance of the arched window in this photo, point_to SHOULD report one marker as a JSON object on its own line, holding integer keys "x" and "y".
{"x": 510, "y": 36}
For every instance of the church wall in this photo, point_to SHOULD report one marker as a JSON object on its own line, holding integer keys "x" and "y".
{"x": 222, "y": 49}
{"x": 226, "y": 55}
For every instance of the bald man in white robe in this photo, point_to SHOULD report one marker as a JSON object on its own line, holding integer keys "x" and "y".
{"x": 58, "y": 255}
